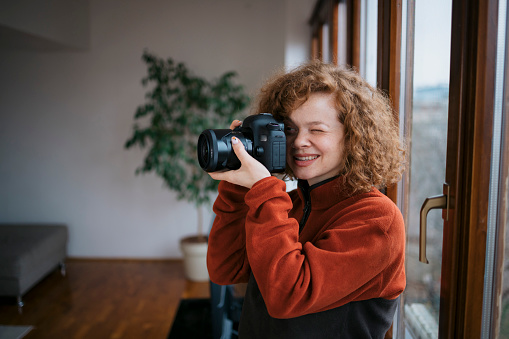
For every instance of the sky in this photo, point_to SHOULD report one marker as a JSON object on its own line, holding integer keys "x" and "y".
{"x": 432, "y": 42}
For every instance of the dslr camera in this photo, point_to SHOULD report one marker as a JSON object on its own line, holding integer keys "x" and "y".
{"x": 262, "y": 136}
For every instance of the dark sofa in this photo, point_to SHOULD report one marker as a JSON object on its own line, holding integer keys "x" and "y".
{"x": 29, "y": 252}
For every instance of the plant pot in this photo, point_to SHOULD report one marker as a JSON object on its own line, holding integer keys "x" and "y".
{"x": 195, "y": 258}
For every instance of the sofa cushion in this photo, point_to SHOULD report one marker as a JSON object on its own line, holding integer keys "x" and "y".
{"x": 28, "y": 253}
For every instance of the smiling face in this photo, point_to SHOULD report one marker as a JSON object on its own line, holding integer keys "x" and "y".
{"x": 315, "y": 139}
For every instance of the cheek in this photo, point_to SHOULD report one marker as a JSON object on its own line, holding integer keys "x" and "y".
{"x": 337, "y": 151}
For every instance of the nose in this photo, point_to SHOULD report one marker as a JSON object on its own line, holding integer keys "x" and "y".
{"x": 301, "y": 140}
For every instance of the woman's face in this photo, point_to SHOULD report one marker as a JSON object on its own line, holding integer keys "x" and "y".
{"x": 315, "y": 139}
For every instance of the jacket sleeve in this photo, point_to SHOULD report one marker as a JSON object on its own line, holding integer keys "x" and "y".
{"x": 352, "y": 260}
{"x": 226, "y": 256}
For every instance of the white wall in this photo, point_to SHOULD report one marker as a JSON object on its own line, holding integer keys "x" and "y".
{"x": 297, "y": 32}
{"x": 65, "y": 115}
{"x": 49, "y": 22}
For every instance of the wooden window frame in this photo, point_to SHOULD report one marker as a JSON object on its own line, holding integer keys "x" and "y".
{"x": 473, "y": 54}
{"x": 389, "y": 68}
{"x": 472, "y": 89}
{"x": 389, "y": 60}
{"x": 325, "y": 12}
{"x": 470, "y": 125}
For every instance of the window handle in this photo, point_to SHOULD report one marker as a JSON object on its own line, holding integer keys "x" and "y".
{"x": 438, "y": 201}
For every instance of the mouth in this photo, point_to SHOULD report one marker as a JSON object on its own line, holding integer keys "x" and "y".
{"x": 304, "y": 160}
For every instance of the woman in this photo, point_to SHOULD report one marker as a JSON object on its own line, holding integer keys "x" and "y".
{"x": 327, "y": 259}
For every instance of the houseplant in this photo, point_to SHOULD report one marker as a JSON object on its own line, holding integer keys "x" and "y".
{"x": 178, "y": 107}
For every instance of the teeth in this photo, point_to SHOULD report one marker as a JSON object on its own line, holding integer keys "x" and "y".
{"x": 306, "y": 158}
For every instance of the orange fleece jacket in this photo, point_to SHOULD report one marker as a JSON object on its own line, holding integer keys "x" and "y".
{"x": 351, "y": 248}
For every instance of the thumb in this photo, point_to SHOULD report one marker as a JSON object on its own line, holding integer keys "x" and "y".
{"x": 239, "y": 149}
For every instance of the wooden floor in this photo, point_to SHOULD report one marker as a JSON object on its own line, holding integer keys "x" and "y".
{"x": 104, "y": 299}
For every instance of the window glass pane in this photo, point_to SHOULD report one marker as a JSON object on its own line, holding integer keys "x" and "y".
{"x": 342, "y": 33}
{"x": 503, "y": 203}
{"x": 325, "y": 43}
{"x": 368, "y": 45}
{"x": 504, "y": 316}
{"x": 427, "y": 162}
{"x": 496, "y": 313}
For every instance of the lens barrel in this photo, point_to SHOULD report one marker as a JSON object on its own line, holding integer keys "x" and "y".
{"x": 215, "y": 152}
{"x": 212, "y": 151}
{"x": 261, "y": 135}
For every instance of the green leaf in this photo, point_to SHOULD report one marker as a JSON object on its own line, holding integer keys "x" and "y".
{"x": 178, "y": 107}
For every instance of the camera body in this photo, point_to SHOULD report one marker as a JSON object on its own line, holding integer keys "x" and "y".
{"x": 262, "y": 136}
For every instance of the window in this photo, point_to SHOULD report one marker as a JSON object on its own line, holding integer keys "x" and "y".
{"x": 454, "y": 110}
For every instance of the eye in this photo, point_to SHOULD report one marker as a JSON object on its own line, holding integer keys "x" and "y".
{"x": 290, "y": 130}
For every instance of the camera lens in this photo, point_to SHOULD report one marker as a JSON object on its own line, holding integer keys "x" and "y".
{"x": 203, "y": 151}
{"x": 214, "y": 149}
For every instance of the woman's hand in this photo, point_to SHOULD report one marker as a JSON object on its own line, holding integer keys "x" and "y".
{"x": 250, "y": 171}
{"x": 235, "y": 124}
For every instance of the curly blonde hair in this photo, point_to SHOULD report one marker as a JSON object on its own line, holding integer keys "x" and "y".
{"x": 373, "y": 152}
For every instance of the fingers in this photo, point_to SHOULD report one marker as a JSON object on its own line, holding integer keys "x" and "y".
{"x": 240, "y": 152}
{"x": 249, "y": 172}
{"x": 226, "y": 176}
{"x": 235, "y": 123}
{"x": 238, "y": 148}
{"x": 219, "y": 175}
